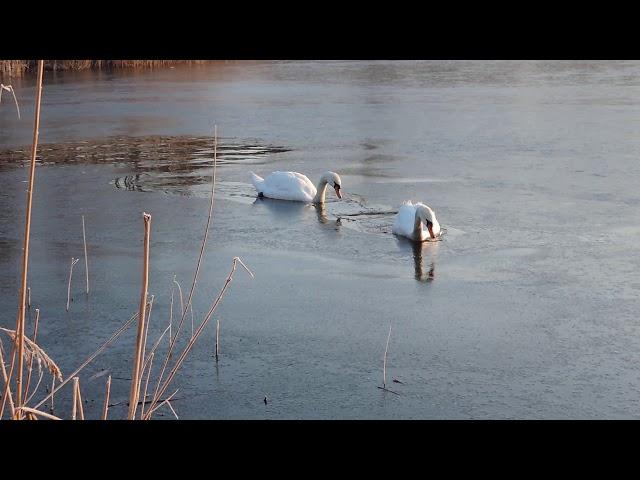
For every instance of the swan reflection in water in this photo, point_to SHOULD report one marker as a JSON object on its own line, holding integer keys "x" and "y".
{"x": 284, "y": 209}
{"x": 422, "y": 273}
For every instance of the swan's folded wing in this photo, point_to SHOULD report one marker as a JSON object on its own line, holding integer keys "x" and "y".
{"x": 289, "y": 186}
{"x": 405, "y": 220}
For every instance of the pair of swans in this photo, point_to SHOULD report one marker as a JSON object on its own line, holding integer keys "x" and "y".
{"x": 409, "y": 221}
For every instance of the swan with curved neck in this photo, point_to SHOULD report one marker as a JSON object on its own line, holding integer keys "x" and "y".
{"x": 410, "y": 220}
{"x": 296, "y": 187}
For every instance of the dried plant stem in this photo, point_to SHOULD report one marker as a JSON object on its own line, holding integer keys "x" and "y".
{"x": 180, "y": 293}
{"x": 198, "y": 263}
{"x": 6, "y": 394}
{"x": 38, "y": 412}
{"x": 53, "y": 384}
{"x": 28, "y": 297}
{"x": 146, "y": 329}
{"x": 9, "y": 88}
{"x": 192, "y": 319}
{"x": 105, "y": 408}
{"x": 5, "y": 378}
{"x": 172, "y": 410}
{"x": 200, "y": 329}
{"x": 79, "y": 399}
{"x": 20, "y": 322}
{"x": 86, "y": 260}
{"x": 217, "y": 337}
{"x": 75, "y": 398}
{"x": 146, "y": 384}
{"x": 135, "y": 376}
{"x": 73, "y": 262}
{"x": 171, "y": 312}
{"x": 36, "y": 387}
{"x": 384, "y": 365}
{"x": 166, "y": 400}
{"x": 35, "y": 337}
{"x": 119, "y": 332}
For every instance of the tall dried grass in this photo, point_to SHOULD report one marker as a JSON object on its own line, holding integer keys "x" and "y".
{"x": 24, "y": 348}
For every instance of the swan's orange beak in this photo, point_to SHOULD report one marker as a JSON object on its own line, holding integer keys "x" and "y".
{"x": 337, "y": 189}
{"x": 430, "y": 227}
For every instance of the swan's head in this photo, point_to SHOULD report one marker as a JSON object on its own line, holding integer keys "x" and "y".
{"x": 427, "y": 216}
{"x": 333, "y": 179}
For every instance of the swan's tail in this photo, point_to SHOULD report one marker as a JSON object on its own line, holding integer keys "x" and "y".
{"x": 257, "y": 181}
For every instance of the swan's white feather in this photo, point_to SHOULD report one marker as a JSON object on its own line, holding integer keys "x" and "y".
{"x": 405, "y": 221}
{"x": 285, "y": 186}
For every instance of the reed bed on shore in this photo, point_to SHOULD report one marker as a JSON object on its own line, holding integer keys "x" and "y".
{"x": 19, "y": 67}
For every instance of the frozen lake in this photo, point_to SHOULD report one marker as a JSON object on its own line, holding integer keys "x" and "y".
{"x": 527, "y": 308}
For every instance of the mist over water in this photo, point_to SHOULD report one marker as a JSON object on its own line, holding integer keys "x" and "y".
{"x": 527, "y": 308}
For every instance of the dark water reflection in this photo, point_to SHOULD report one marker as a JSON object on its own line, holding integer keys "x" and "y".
{"x": 156, "y": 162}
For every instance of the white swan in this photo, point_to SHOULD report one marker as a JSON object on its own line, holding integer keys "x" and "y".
{"x": 409, "y": 220}
{"x": 295, "y": 186}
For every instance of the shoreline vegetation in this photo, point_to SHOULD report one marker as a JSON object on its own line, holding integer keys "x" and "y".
{"x": 19, "y": 67}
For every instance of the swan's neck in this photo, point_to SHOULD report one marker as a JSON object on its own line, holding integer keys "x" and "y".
{"x": 417, "y": 227}
{"x": 321, "y": 191}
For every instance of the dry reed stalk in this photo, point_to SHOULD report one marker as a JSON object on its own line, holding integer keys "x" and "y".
{"x": 5, "y": 378}
{"x": 166, "y": 400}
{"x": 6, "y": 393}
{"x": 35, "y": 337}
{"x": 171, "y": 311}
{"x": 41, "y": 374}
{"x": 105, "y": 408}
{"x": 172, "y": 410}
{"x": 53, "y": 384}
{"x": 38, "y": 412}
{"x": 86, "y": 261}
{"x": 135, "y": 376}
{"x": 146, "y": 384}
{"x": 192, "y": 320}
{"x": 180, "y": 292}
{"x": 173, "y": 339}
{"x": 73, "y": 262}
{"x": 79, "y": 399}
{"x": 217, "y": 337}
{"x": 113, "y": 337}
{"x": 20, "y": 322}
{"x": 9, "y": 88}
{"x": 75, "y": 398}
{"x": 384, "y": 364}
{"x": 28, "y": 297}
{"x": 146, "y": 329}
{"x": 199, "y": 331}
